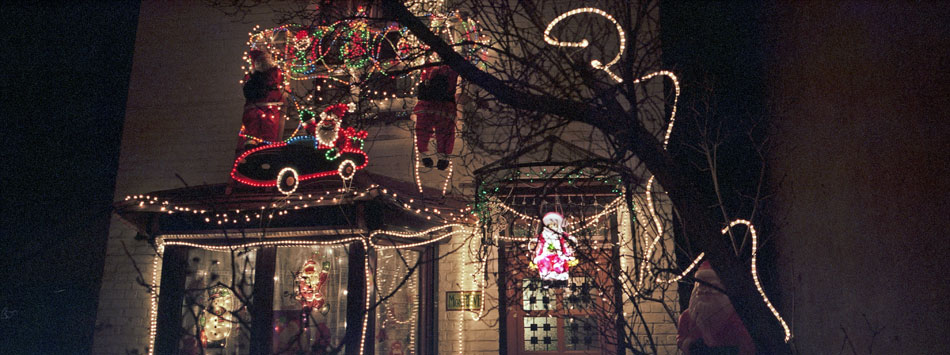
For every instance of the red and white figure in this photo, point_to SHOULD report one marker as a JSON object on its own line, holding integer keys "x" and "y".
{"x": 310, "y": 283}
{"x": 264, "y": 95}
{"x": 327, "y": 130}
{"x": 302, "y": 40}
{"x": 553, "y": 254}
{"x": 435, "y": 112}
{"x": 710, "y": 322}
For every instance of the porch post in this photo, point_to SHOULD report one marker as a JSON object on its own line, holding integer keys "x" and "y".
{"x": 618, "y": 285}
{"x": 172, "y": 289}
{"x": 263, "y": 301}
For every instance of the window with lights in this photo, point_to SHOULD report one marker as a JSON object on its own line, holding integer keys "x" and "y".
{"x": 546, "y": 317}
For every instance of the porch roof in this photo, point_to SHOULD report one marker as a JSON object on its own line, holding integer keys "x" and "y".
{"x": 322, "y": 208}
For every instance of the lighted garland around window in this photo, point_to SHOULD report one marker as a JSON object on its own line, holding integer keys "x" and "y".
{"x": 368, "y": 243}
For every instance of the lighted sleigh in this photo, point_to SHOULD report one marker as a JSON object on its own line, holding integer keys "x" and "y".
{"x": 301, "y": 158}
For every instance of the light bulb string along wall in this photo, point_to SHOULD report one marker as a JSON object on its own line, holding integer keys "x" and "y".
{"x": 296, "y": 202}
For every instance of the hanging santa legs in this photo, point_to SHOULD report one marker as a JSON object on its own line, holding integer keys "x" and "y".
{"x": 553, "y": 251}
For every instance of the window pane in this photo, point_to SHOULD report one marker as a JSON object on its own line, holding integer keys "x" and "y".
{"x": 309, "y": 299}
{"x": 214, "y": 315}
{"x": 580, "y": 333}
{"x": 397, "y": 318}
{"x": 536, "y": 297}
{"x": 540, "y": 334}
{"x": 577, "y": 295}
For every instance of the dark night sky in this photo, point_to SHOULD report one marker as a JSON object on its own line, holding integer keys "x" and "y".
{"x": 64, "y": 87}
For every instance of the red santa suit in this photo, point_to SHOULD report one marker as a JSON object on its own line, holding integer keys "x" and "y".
{"x": 435, "y": 110}
{"x": 711, "y": 318}
{"x": 263, "y": 96}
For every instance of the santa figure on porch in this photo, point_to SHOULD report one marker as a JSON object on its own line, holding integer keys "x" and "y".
{"x": 710, "y": 325}
{"x": 554, "y": 254}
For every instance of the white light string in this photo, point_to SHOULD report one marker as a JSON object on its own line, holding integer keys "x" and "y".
{"x": 415, "y": 170}
{"x": 297, "y": 202}
{"x": 596, "y": 64}
{"x": 755, "y": 274}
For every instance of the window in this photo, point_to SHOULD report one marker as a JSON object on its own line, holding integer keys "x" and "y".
{"x": 554, "y": 317}
{"x": 214, "y": 317}
{"x": 309, "y": 298}
{"x": 312, "y": 288}
{"x": 397, "y": 316}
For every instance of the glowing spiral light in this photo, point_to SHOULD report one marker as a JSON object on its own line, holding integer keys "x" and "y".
{"x": 755, "y": 274}
{"x": 596, "y": 64}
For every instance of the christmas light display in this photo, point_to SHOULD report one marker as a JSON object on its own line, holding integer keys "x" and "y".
{"x": 313, "y": 52}
{"x": 596, "y": 64}
{"x": 553, "y": 253}
{"x": 310, "y": 283}
{"x": 307, "y": 53}
{"x": 215, "y": 320}
{"x": 755, "y": 274}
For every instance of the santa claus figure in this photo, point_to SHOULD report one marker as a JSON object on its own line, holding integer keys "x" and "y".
{"x": 327, "y": 130}
{"x": 710, "y": 325}
{"x": 264, "y": 96}
{"x": 435, "y": 112}
{"x": 553, "y": 254}
{"x": 310, "y": 284}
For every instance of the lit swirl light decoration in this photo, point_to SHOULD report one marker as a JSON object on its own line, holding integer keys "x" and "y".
{"x": 651, "y": 209}
{"x": 755, "y": 274}
{"x": 596, "y": 64}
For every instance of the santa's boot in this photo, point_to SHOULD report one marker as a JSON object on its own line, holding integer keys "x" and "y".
{"x": 443, "y": 161}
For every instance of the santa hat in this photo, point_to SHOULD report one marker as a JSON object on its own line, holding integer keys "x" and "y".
{"x": 553, "y": 217}
{"x": 338, "y": 110}
{"x": 706, "y": 272}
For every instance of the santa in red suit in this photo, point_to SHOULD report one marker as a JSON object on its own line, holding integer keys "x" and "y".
{"x": 264, "y": 95}
{"x": 436, "y": 111}
{"x": 327, "y": 129}
{"x": 710, "y": 325}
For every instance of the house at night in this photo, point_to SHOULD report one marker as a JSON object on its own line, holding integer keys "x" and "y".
{"x": 380, "y": 256}
{"x": 392, "y": 260}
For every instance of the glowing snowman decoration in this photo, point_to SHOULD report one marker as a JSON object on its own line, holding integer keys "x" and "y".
{"x": 216, "y": 321}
